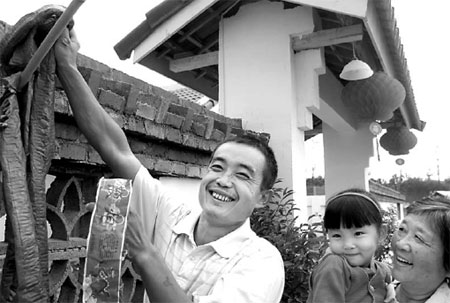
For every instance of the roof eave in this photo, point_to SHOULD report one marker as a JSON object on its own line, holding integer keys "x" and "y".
{"x": 154, "y": 18}
{"x": 384, "y": 33}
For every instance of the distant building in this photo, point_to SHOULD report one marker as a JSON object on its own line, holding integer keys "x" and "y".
{"x": 441, "y": 193}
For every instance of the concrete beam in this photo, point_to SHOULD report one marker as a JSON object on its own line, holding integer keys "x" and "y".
{"x": 194, "y": 62}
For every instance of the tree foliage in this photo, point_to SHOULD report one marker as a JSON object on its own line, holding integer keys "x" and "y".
{"x": 390, "y": 219}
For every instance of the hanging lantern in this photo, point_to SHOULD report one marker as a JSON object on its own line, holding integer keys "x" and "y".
{"x": 356, "y": 70}
{"x": 374, "y": 98}
{"x": 398, "y": 140}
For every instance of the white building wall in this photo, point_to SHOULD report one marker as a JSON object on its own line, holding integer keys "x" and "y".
{"x": 258, "y": 82}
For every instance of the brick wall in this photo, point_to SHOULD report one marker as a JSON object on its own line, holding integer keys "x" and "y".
{"x": 170, "y": 136}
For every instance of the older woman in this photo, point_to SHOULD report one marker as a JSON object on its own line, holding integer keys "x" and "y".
{"x": 421, "y": 249}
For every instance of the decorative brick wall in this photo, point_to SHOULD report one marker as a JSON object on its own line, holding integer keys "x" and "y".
{"x": 171, "y": 136}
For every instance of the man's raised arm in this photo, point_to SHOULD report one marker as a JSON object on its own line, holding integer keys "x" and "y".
{"x": 102, "y": 132}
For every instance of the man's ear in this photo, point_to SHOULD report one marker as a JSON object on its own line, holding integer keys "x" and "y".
{"x": 266, "y": 195}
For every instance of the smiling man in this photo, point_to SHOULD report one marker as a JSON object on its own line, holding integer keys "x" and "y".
{"x": 183, "y": 255}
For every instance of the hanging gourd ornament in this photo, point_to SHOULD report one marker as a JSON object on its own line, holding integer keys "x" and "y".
{"x": 374, "y": 98}
{"x": 398, "y": 140}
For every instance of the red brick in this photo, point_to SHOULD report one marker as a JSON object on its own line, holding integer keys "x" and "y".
{"x": 138, "y": 147}
{"x": 173, "y": 120}
{"x": 112, "y": 100}
{"x": 187, "y": 123}
{"x": 162, "y": 110}
{"x": 146, "y": 111}
{"x": 162, "y": 165}
{"x": 217, "y": 135}
{"x": 209, "y": 127}
{"x": 193, "y": 171}
{"x": 67, "y": 132}
{"x": 190, "y": 140}
{"x": 173, "y": 135}
{"x": 198, "y": 129}
{"x": 94, "y": 157}
{"x": 73, "y": 151}
{"x": 134, "y": 124}
{"x": 179, "y": 168}
{"x": 131, "y": 103}
{"x": 154, "y": 130}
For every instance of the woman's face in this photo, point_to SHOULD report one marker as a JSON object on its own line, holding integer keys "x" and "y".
{"x": 418, "y": 252}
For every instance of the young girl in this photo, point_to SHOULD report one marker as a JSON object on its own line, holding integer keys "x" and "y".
{"x": 348, "y": 271}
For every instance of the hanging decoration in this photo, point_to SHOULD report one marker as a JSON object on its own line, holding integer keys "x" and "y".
{"x": 398, "y": 140}
{"x": 374, "y": 98}
{"x": 356, "y": 69}
{"x": 375, "y": 128}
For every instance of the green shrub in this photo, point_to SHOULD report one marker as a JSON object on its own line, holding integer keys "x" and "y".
{"x": 300, "y": 245}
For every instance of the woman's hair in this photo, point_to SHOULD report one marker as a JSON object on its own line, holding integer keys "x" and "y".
{"x": 352, "y": 208}
{"x": 436, "y": 210}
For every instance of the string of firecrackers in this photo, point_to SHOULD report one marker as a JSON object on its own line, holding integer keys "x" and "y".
{"x": 102, "y": 280}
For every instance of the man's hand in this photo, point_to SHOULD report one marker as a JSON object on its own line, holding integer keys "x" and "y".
{"x": 158, "y": 281}
{"x": 66, "y": 49}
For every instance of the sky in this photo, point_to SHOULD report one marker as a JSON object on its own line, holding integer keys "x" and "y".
{"x": 100, "y": 24}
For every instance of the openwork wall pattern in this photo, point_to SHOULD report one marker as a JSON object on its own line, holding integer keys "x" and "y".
{"x": 69, "y": 219}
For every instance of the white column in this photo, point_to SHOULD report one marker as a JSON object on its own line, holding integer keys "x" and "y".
{"x": 347, "y": 156}
{"x": 308, "y": 65}
{"x": 258, "y": 82}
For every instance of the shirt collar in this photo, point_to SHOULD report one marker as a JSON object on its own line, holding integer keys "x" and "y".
{"x": 186, "y": 225}
{"x": 442, "y": 294}
{"x": 227, "y": 246}
{"x": 231, "y": 244}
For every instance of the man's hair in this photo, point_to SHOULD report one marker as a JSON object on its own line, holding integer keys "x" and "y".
{"x": 352, "y": 208}
{"x": 270, "y": 171}
{"x": 437, "y": 212}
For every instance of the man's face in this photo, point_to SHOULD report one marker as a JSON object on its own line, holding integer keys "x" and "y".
{"x": 356, "y": 244}
{"x": 418, "y": 252}
{"x": 231, "y": 188}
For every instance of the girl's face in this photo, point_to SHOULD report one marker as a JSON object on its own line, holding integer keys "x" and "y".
{"x": 357, "y": 244}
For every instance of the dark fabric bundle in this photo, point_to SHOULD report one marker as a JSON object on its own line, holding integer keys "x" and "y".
{"x": 27, "y": 137}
